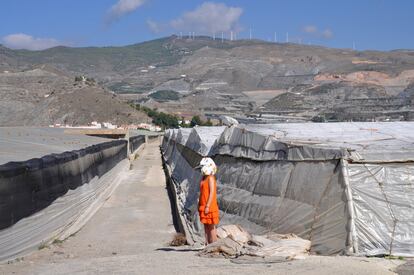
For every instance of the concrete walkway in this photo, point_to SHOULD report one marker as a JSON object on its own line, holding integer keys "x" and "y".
{"x": 131, "y": 232}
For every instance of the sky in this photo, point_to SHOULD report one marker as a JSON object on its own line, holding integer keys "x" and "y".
{"x": 363, "y": 24}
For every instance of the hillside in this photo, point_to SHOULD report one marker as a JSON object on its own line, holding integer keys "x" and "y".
{"x": 43, "y": 96}
{"x": 243, "y": 78}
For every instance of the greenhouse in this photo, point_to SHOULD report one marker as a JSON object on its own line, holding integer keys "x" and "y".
{"x": 346, "y": 187}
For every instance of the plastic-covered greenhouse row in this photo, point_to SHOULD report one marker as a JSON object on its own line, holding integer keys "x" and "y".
{"x": 346, "y": 187}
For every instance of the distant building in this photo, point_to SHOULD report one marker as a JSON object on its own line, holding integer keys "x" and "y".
{"x": 149, "y": 127}
{"x": 96, "y": 124}
{"x": 109, "y": 125}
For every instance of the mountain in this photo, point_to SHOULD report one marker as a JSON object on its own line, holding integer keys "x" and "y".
{"x": 244, "y": 78}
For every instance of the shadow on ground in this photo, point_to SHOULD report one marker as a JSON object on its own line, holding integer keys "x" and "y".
{"x": 171, "y": 249}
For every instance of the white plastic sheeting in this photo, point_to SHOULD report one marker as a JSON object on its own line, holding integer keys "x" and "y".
{"x": 357, "y": 141}
{"x": 23, "y": 143}
{"x": 65, "y": 216}
{"x": 346, "y": 187}
{"x": 235, "y": 242}
{"x": 383, "y": 196}
{"x": 53, "y": 196}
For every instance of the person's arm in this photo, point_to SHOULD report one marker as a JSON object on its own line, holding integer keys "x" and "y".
{"x": 211, "y": 192}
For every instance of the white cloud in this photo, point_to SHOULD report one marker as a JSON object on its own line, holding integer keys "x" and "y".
{"x": 209, "y": 18}
{"x": 154, "y": 26}
{"x": 28, "y": 42}
{"x": 314, "y": 31}
{"x": 121, "y": 8}
{"x": 310, "y": 29}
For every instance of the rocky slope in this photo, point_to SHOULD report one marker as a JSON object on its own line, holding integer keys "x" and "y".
{"x": 43, "y": 96}
{"x": 242, "y": 78}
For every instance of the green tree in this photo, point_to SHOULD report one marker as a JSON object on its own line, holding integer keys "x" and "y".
{"x": 152, "y": 113}
{"x": 196, "y": 120}
{"x": 161, "y": 119}
{"x": 319, "y": 118}
{"x": 164, "y": 120}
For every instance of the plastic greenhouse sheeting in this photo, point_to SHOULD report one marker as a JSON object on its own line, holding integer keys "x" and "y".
{"x": 53, "y": 196}
{"x": 23, "y": 143}
{"x": 135, "y": 142}
{"x": 346, "y": 187}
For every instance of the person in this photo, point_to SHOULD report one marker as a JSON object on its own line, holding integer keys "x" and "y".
{"x": 207, "y": 203}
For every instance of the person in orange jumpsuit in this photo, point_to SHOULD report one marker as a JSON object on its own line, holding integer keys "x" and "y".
{"x": 207, "y": 203}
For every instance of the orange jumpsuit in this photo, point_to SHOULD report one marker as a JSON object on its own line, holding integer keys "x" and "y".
{"x": 213, "y": 215}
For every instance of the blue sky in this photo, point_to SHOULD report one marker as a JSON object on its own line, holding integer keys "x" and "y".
{"x": 370, "y": 24}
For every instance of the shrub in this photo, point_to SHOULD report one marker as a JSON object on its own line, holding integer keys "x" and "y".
{"x": 165, "y": 95}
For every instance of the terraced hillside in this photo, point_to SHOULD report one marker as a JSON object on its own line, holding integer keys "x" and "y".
{"x": 249, "y": 79}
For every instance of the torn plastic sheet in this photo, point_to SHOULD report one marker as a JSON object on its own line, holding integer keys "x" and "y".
{"x": 234, "y": 242}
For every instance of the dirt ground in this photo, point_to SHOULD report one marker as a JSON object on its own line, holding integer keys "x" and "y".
{"x": 131, "y": 232}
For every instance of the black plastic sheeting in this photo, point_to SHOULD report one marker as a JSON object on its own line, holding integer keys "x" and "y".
{"x": 29, "y": 186}
{"x": 153, "y": 137}
{"x": 135, "y": 142}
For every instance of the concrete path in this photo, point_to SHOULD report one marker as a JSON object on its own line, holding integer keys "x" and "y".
{"x": 131, "y": 232}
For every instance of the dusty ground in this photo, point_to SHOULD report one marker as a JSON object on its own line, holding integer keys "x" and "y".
{"x": 129, "y": 235}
